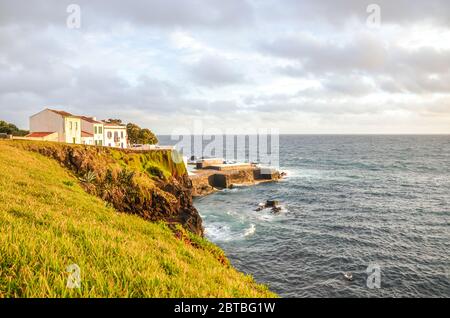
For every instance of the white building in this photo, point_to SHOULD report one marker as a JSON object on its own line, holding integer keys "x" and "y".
{"x": 87, "y": 138}
{"x": 115, "y": 135}
{"x": 66, "y": 125}
{"x": 92, "y": 129}
{"x": 56, "y": 125}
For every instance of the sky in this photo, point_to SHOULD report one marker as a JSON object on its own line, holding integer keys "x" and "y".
{"x": 309, "y": 67}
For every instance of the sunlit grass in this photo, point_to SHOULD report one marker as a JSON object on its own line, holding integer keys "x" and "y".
{"x": 48, "y": 222}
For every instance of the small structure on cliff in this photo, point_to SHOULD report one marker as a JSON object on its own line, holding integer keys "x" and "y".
{"x": 213, "y": 174}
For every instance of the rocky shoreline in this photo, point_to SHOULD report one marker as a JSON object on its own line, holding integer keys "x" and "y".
{"x": 207, "y": 181}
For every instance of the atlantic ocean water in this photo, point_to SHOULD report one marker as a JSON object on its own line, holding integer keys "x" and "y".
{"x": 349, "y": 202}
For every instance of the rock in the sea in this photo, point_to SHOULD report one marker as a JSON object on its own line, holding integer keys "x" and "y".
{"x": 272, "y": 204}
{"x": 276, "y": 209}
{"x": 348, "y": 276}
{"x": 260, "y": 207}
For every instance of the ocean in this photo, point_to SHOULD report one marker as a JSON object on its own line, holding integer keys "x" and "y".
{"x": 369, "y": 205}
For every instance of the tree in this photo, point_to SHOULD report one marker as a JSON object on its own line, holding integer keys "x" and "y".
{"x": 136, "y": 135}
{"x": 133, "y": 131}
{"x": 147, "y": 137}
{"x": 11, "y": 129}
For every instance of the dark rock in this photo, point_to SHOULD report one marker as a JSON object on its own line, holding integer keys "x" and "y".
{"x": 260, "y": 207}
{"x": 271, "y": 203}
{"x": 276, "y": 209}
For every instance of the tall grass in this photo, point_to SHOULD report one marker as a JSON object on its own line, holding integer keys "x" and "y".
{"x": 48, "y": 222}
{"x": 149, "y": 184}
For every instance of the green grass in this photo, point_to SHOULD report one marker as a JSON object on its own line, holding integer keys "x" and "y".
{"x": 155, "y": 163}
{"x": 48, "y": 222}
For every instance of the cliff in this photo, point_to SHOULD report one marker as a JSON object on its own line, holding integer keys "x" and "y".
{"x": 149, "y": 184}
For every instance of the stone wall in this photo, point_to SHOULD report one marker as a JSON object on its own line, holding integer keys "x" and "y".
{"x": 208, "y": 180}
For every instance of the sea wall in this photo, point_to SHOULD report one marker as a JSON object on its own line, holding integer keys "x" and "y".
{"x": 202, "y": 184}
{"x": 206, "y": 181}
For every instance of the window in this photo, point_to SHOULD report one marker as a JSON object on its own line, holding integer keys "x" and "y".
{"x": 76, "y": 126}
{"x": 100, "y": 129}
{"x": 95, "y": 129}
{"x": 121, "y": 134}
{"x": 70, "y": 125}
{"x": 109, "y": 135}
{"x": 116, "y": 136}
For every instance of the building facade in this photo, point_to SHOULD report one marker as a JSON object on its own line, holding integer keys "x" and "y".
{"x": 61, "y": 126}
{"x": 66, "y": 125}
{"x": 115, "y": 135}
{"x": 92, "y": 129}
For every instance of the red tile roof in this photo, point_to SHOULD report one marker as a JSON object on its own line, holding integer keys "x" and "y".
{"x": 114, "y": 125}
{"x": 90, "y": 120}
{"x": 39, "y": 134}
{"x": 63, "y": 113}
{"x": 86, "y": 134}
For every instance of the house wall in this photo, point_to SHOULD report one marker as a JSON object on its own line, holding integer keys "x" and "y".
{"x": 93, "y": 128}
{"x": 111, "y": 132}
{"x": 87, "y": 140}
{"x": 51, "y": 137}
{"x": 48, "y": 121}
{"x": 87, "y": 126}
{"x": 72, "y": 130}
{"x": 98, "y": 134}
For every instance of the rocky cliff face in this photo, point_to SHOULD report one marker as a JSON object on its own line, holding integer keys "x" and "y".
{"x": 148, "y": 184}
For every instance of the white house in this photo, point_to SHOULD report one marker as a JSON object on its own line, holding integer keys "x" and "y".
{"x": 57, "y": 125}
{"x": 87, "y": 138}
{"x": 115, "y": 135}
{"x": 92, "y": 131}
{"x": 49, "y": 121}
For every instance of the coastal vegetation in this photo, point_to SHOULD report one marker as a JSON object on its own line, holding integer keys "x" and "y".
{"x": 11, "y": 129}
{"x": 148, "y": 184}
{"x": 137, "y": 135}
{"x": 49, "y": 220}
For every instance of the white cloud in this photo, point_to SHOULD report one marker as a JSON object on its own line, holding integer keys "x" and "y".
{"x": 309, "y": 66}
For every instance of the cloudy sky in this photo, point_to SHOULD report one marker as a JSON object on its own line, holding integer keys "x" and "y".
{"x": 300, "y": 66}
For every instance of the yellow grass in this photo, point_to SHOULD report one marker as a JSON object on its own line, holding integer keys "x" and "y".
{"x": 47, "y": 222}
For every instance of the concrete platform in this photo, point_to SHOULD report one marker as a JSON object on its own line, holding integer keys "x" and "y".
{"x": 211, "y": 179}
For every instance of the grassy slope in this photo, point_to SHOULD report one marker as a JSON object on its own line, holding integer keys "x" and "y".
{"x": 48, "y": 222}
